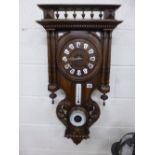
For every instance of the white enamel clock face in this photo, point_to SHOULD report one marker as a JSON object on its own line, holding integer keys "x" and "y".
{"x": 77, "y": 118}
{"x": 78, "y": 58}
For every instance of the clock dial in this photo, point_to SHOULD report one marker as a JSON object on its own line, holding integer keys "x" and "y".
{"x": 78, "y": 59}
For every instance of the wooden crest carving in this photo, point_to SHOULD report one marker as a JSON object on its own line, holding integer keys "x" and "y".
{"x": 79, "y": 53}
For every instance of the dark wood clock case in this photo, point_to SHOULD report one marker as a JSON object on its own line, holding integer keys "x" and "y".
{"x": 79, "y": 53}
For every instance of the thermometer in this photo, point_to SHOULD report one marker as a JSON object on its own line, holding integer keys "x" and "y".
{"x": 78, "y": 94}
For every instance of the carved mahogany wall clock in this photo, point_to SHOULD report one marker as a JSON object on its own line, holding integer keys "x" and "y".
{"x": 79, "y": 52}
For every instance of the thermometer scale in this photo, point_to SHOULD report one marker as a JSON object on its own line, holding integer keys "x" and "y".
{"x": 78, "y": 94}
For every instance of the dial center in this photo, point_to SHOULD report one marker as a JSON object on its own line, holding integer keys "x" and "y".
{"x": 78, "y": 59}
{"x": 77, "y": 118}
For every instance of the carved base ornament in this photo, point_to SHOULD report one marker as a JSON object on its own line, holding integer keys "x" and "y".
{"x": 79, "y": 54}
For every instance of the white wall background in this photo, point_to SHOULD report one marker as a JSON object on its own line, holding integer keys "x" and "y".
{"x": 41, "y": 133}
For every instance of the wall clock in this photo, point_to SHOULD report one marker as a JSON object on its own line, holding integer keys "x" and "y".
{"x": 79, "y": 52}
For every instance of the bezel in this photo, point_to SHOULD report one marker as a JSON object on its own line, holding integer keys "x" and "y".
{"x": 94, "y": 44}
